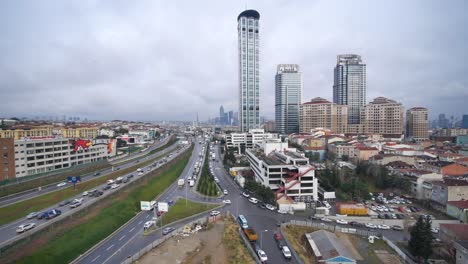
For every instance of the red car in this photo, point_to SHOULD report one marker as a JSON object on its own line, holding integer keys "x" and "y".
{"x": 277, "y": 236}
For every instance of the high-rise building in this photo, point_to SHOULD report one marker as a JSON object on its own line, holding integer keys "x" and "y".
{"x": 349, "y": 87}
{"x": 321, "y": 113}
{"x": 288, "y": 98}
{"x": 383, "y": 116}
{"x": 443, "y": 121}
{"x": 465, "y": 121}
{"x": 417, "y": 123}
{"x": 249, "y": 92}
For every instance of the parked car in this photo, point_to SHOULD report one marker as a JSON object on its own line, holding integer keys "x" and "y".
{"x": 386, "y": 227}
{"x": 253, "y": 200}
{"x": 32, "y": 215}
{"x": 246, "y": 194}
{"x": 397, "y": 228}
{"x": 261, "y": 254}
{"x": 435, "y": 230}
{"x": 341, "y": 221}
{"x": 25, "y": 227}
{"x": 270, "y": 207}
{"x": 370, "y": 225}
{"x": 225, "y": 192}
{"x": 85, "y": 193}
{"x": 324, "y": 219}
{"x": 75, "y": 204}
{"x": 168, "y": 230}
{"x": 97, "y": 174}
{"x": 286, "y": 252}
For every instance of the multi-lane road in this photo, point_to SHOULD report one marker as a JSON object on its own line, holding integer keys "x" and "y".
{"x": 122, "y": 163}
{"x": 8, "y": 231}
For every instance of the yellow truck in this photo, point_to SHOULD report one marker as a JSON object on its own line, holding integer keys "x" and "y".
{"x": 251, "y": 234}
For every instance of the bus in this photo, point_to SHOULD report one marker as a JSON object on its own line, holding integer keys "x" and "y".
{"x": 243, "y": 221}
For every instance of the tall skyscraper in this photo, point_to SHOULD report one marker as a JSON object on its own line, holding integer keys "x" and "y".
{"x": 349, "y": 87}
{"x": 221, "y": 115}
{"x": 288, "y": 98}
{"x": 249, "y": 92}
{"x": 465, "y": 121}
{"x": 417, "y": 123}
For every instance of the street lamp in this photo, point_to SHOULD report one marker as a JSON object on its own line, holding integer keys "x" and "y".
{"x": 261, "y": 238}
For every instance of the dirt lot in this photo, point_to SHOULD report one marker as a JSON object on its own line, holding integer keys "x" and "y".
{"x": 203, "y": 247}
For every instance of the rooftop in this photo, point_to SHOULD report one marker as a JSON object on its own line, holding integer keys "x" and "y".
{"x": 249, "y": 14}
{"x": 327, "y": 245}
{"x": 459, "y": 204}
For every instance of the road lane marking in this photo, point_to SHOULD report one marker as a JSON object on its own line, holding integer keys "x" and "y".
{"x": 131, "y": 229}
{"x": 122, "y": 237}
{"x": 140, "y": 222}
{"x": 146, "y": 216}
{"x": 94, "y": 259}
{"x": 110, "y": 247}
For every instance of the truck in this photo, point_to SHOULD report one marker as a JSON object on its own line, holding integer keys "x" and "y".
{"x": 251, "y": 234}
{"x": 181, "y": 182}
{"x": 191, "y": 183}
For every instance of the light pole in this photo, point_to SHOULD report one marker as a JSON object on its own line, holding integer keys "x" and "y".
{"x": 261, "y": 238}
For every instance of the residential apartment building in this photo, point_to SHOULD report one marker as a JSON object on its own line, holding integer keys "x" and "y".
{"x": 321, "y": 113}
{"x": 349, "y": 87}
{"x": 249, "y": 69}
{"x": 20, "y": 132}
{"x": 248, "y": 139}
{"x": 287, "y": 172}
{"x": 448, "y": 190}
{"x": 78, "y": 132}
{"x": 417, "y": 124}
{"x": 288, "y": 98}
{"x": 383, "y": 116}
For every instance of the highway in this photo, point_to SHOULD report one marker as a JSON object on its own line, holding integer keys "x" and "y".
{"x": 11, "y": 199}
{"x": 8, "y": 231}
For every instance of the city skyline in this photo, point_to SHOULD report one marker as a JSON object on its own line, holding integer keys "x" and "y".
{"x": 104, "y": 61}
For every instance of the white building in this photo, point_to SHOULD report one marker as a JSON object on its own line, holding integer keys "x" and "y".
{"x": 44, "y": 154}
{"x": 106, "y": 132}
{"x": 284, "y": 170}
{"x": 248, "y": 139}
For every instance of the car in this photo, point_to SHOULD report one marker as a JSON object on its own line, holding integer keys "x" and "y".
{"x": 125, "y": 180}
{"x": 386, "y": 227}
{"x": 370, "y": 225}
{"x": 215, "y": 213}
{"x": 286, "y": 252}
{"x": 110, "y": 182}
{"x": 96, "y": 174}
{"x": 107, "y": 187}
{"x": 25, "y": 227}
{"x": 168, "y": 230}
{"x": 253, "y": 200}
{"x": 225, "y": 192}
{"x": 397, "y": 228}
{"x": 435, "y": 230}
{"x": 130, "y": 176}
{"x": 148, "y": 224}
{"x": 61, "y": 184}
{"x": 114, "y": 186}
{"x": 32, "y": 215}
{"x": 85, "y": 193}
{"x": 341, "y": 221}
{"x": 261, "y": 254}
{"x": 246, "y": 194}
{"x": 75, "y": 204}
{"x": 63, "y": 203}
{"x": 324, "y": 219}
{"x": 170, "y": 203}
{"x": 227, "y": 201}
{"x": 270, "y": 207}
{"x": 117, "y": 168}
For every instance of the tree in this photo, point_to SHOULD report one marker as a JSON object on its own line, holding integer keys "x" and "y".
{"x": 420, "y": 243}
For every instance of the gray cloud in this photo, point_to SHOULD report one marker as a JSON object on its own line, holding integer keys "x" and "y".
{"x": 158, "y": 60}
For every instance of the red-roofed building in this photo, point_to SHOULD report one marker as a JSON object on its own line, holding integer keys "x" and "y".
{"x": 454, "y": 170}
{"x": 462, "y": 161}
{"x": 458, "y": 210}
{"x": 365, "y": 153}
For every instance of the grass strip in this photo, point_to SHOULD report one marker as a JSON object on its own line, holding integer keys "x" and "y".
{"x": 206, "y": 184}
{"x": 184, "y": 208}
{"x": 296, "y": 237}
{"x": 68, "y": 245}
{"x": 236, "y": 250}
{"x": 21, "y": 209}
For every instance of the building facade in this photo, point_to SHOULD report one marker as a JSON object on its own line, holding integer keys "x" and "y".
{"x": 249, "y": 139}
{"x": 320, "y": 113}
{"x": 21, "y": 132}
{"x": 417, "y": 124}
{"x": 7, "y": 159}
{"x": 288, "y": 98}
{"x": 383, "y": 116}
{"x": 349, "y": 87}
{"x": 249, "y": 90}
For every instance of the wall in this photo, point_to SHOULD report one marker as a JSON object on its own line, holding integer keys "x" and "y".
{"x": 7, "y": 159}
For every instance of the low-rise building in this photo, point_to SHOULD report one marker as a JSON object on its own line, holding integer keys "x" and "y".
{"x": 342, "y": 149}
{"x": 364, "y": 153}
{"x": 454, "y": 170}
{"x": 248, "y": 139}
{"x": 20, "y": 131}
{"x": 284, "y": 170}
{"x": 448, "y": 190}
{"x": 328, "y": 249}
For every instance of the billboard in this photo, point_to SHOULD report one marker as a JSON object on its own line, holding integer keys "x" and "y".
{"x": 145, "y": 205}
{"x": 329, "y": 195}
{"x": 163, "y": 207}
{"x": 81, "y": 144}
{"x": 74, "y": 179}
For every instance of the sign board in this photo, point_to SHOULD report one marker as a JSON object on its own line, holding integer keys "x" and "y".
{"x": 145, "y": 206}
{"x": 163, "y": 207}
{"x": 74, "y": 179}
{"x": 329, "y": 195}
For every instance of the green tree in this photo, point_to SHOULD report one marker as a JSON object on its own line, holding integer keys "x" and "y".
{"x": 420, "y": 243}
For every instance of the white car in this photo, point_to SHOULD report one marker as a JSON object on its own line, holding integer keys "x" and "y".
{"x": 25, "y": 227}
{"x": 114, "y": 186}
{"x": 32, "y": 215}
{"x": 85, "y": 193}
{"x": 110, "y": 182}
{"x": 61, "y": 184}
{"x": 227, "y": 201}
{"x": 341, "y": 221}
{"x": 326, "y": 219}
{"x": 246, "y": 194}
{"x": 435, "y": 230}
{"x": 370, "y": 225}
{"x": 253, "y": 200}
{"x": 215, "y": 213}
{"x": 286, "y": 252}
{"x": 386, "y": 227}
{"x": 225, "y": 192}
{"x": 148, "y": 224}
{"x": 261, "y": 254}
{"x": 270, "y": 207}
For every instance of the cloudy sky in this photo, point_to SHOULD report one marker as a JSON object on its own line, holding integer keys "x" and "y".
{"x": 167, "y": 60}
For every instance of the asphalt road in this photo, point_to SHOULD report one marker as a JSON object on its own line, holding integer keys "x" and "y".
{"x": 8, "y": 231}
{"x": 11, "y": 199}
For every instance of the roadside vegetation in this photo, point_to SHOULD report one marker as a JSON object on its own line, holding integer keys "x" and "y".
{"x": 17, "y": 210}
{"x": 71, "y": 237}
{"x": 184, "y": 208}
{"x": 296, "y": 237}
{"x": 206, "y": 183}
{"x": 236, "y": 250}
{"x": 261, "y": 192}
